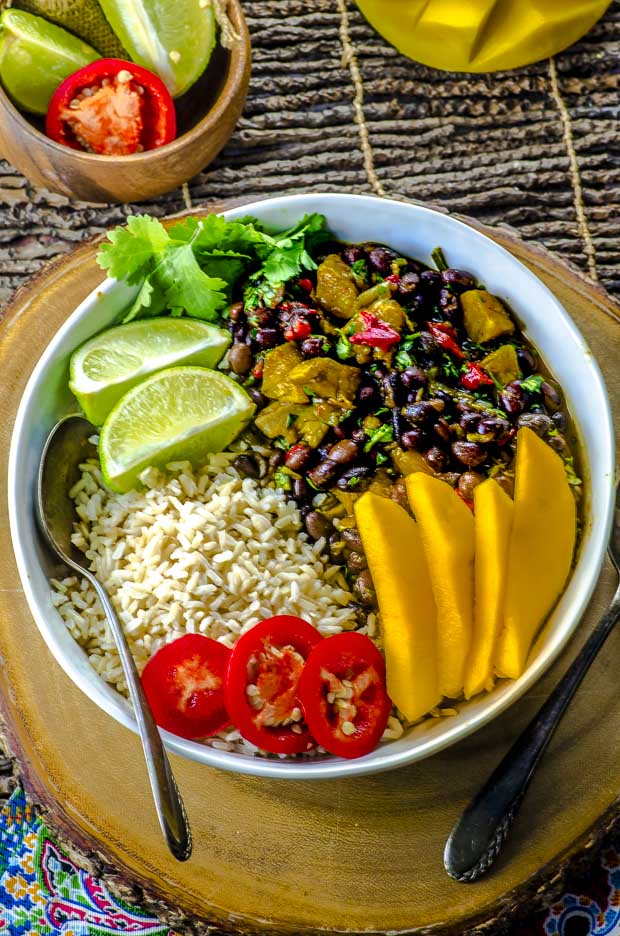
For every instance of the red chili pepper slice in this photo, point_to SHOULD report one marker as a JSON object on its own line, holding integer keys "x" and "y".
{"x": 475, "y": 376}
{"x": 306, "y": 285}
{"x": 113, "y": 108}
{"x": 262, "y": 684}
{"x": 298, "y": 330}
{"x": 342, "y": 691}
{"x": 377, "y": 334}
{"x": 445, "y": 336}
{"x": 184, "y": 684}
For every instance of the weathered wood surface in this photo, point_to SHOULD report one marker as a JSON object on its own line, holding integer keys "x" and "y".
{"x": 494, "y": 147}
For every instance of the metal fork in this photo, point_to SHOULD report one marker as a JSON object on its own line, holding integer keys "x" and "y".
{"x": 477, "y": 838}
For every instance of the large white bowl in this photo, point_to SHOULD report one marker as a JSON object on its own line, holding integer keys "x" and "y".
{"x": 414, "y": 231}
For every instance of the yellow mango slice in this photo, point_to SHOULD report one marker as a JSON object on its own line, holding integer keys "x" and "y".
{"x": 447, "y": 528}
{"x": 484, "y": 316}
{"x": 492, "y": 523}
{"x": 396, "y": 561}
{"x": 541, "y": 548}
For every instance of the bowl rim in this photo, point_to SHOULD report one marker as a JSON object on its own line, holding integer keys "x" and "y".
{"x": 495, "y": 703}
{"x": 236, "y": 78}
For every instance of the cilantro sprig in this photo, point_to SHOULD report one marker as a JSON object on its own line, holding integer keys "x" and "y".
{"x": 192, "y": 267}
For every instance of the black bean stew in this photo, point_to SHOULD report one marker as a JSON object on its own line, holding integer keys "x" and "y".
{"x": 375, "y": 366}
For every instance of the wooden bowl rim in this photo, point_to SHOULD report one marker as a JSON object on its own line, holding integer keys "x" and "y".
{"x": 236, "y": 78}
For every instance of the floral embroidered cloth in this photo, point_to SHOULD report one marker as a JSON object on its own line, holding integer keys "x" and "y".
{"x": 43, "y": 892}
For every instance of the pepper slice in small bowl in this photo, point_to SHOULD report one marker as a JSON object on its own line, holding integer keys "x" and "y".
{"x": 261, "y": 689}
{"x": 112, "y": 108}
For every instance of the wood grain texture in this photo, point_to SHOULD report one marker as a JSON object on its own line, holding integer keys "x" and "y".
{"x": 69, "y": 172}
{"x": 275, "y": 857}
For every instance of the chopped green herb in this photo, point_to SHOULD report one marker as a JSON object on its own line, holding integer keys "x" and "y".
{"x": 384, "y": 433}
{"x": 353, "y": 482}
{"x": 290, "y": 419}
{"x": 344, "y": 348}
{"x": 380, "y": 412}
{"x": 572, "y": 476}
{"x": 404, "y": 358}
{"x": 449, "y": 367}
{"x": 438, "y": 259}
{"x": 282, "y": 479}
{"x": 360, "y": 271}
{"x": 533, "y": 384}
{"x": 281, "y": 443}
{"x": 381, "y": 458}
{"x": 310, "y": 393}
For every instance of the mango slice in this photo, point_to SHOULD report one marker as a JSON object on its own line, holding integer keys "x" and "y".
{"x": 447, "y": 528}
{"x": 484, "y": 316}
{"x": 395, "y": 555}
{"x": 541, "y": 548}
{"x": 493, "y": 523}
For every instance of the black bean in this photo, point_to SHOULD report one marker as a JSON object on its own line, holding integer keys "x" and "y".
{"x": 343, "y": 452}
{"x": 512, "y": 399}
{"x": 276, "y": 459}
{"x": 467, "y": 482}
{"x": 448, "y": 303}
{"x": 560, "y": 421}
{"x": 359, "y": 436}
{"x": 527, "y": 361}
{"x": 240, "y": 358}
{"x": 436, "y": 458}
{"x": 442, "y": 429}
{"x": 469, "y": 453}
{"x": 430, "y": 279}
{"x": 267, "y": 337}
{"x": 324, "y": 472}
{"x": 356, "y": 562}
{"x": 236, "y": 311}
{"x": 366, "y": 393}
{"x": 251, "y": 464}
{"x": 399, "y": 493}
{"x": 353, "y": 475}
{"x": 538, "y": 422}
{"x": 381, "y": 259}
{"x": 458, "y": 279}
{"x": 352, "y": 538}
{"x": 352, "y": 253}
{"x": 317, "y": 525}
{"x": 301, "y": 489}
{"x": 313, "y": 347}
{"x": 422, "y": 413}
{"x": 413, "y": 439}
{"x": 397, "y": 423}
{"x": 407, "y": 285}
{"x": 559, "y": 444}
{"x": 298, "y": 456}
{"x": 413, "y": 377}
{"x": 363, "y": 588}
{"x": 257, "y": 397}
{"x": 495, "y": 424}
{"x": 470, "y": 421}
{"x": 264, "y": 318}
{"x": 551, "y": 395}
{"x": 450, "y": 477}
{"x": 428, "y": 344}
{"x": 240, "y": 333}
{"x": 505, "y": 482}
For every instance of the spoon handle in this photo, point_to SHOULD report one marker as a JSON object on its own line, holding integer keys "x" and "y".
{"x": 168, "y": 802}
{"x": 477, "y": 838}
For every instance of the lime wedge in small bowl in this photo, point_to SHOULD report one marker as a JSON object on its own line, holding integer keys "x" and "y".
{"x": 177, "y": 414}
{"x": 35, "y": 56}
{"x": 104, "y": 368}
{"x": 173, "y": 38}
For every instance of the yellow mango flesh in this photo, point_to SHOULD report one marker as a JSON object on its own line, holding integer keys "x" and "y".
{"x": 397, "y": 564}
{"x": 492, "y": 523}
{"x": 447, "y": 528}
{"x": 541, "y": 548}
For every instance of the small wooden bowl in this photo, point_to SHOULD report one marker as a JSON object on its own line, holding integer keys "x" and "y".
{"x": 217, "y": 98}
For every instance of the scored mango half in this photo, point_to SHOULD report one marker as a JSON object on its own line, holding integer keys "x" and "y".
{"x": 493, "y": 523}
{"x": 447, "y": 529}
{"x": 397, "y": 564}
{"x": 481, "y": 35}
{"x": 540, "y": 553}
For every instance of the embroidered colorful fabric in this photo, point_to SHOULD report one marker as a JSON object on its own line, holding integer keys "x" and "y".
{"x": 44, "y": 893}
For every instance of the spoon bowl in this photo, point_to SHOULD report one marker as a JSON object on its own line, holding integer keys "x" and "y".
{"x": 67, "y": 446}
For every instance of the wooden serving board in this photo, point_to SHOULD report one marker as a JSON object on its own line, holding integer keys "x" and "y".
{"x": 294, "y": 857}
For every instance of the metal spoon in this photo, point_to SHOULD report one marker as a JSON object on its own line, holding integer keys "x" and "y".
{"x": 66, "y": 447}
{"x": 477, "y": 838}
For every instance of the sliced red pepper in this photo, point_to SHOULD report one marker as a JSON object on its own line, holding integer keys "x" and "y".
{"x": 261, "y": 688}
{"x": 113, "y": 108}
{"x": 377, "y": 334}
{"x": 184, "y": 684}
{"x": 445, "y": 336}
{"x": 342, "y": 691}
{"x": 299, "y": 329}
{"x": 475, "y": 376}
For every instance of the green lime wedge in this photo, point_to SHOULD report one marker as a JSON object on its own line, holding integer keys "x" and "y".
{"x": 103, "y": 369}
{"x": 84, "y": 18}
{"x": 35, "y": 56}
{"x": 177, "y": 414}
{"x": 174, "y": 38}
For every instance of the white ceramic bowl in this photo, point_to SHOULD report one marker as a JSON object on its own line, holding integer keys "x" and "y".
{"x": 414, "y": 231}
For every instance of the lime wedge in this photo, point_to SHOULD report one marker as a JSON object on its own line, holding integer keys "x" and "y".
{"x": 103, "y": 369}
{"x": 174, "y": 38}
{"x": 180, "y": 413}
{"x": 82, "y": 17}
{"x": 35, "y": 56}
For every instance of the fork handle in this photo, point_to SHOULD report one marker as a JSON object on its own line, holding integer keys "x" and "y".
{"x": 478, "y": 836}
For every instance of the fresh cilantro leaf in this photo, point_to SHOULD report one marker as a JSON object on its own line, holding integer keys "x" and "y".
{"x": 403, "y": 358}
{"x": 282, "y": 480}
{"x": 131, "y": 252}
{"x": 571, "y": 475}
{"x": 187, "y": 287}
{"x": 381, "y": 458}
{"x": 359, "y": 268}
{"x": 150, "y": 301}
{"x": 353, "y": 482}
{"x": 384, "y": 433}
{"x": 533, "y": 384}
{"x": 344, "y": 348}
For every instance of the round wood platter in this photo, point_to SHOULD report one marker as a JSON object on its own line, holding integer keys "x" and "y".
{"x": 359, "y": 855}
